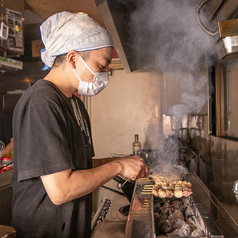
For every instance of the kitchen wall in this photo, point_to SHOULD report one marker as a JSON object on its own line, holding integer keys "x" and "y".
{"x": 134, "y": 103}
{"x": 129, "y": 105}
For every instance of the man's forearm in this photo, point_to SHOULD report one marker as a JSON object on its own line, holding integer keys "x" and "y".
{"x": 101, "y": 161}
{"x": 67, "y": 185}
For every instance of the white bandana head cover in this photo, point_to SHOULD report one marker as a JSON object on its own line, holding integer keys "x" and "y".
{"x": 67, "y": 31}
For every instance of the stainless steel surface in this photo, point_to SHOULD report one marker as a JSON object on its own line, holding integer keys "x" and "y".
{"x": 197, "y": 13}
{"x": 140, "y": 221}
{"x": 235, "y": 187}
{"x": 114, "y": 223}
{"x": 235, "y": 190}
{"x": 101, "y": 213}
{"x": 217, "y": 221}
{"x": 227, "y": 44}
{"x": 220, "y": 152}
{"x": 226, "y": 33}
{"x": 222, "y": 167}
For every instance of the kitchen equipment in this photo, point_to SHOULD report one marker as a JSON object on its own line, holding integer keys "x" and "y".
{"x": 226, "y": 34}
{"x": 127, "y": 188}
{"x": 140, "y": 221}
{"x": 235, "y": 190}
{"x": 101, "y": 212}
{"x": 215, "y": 220}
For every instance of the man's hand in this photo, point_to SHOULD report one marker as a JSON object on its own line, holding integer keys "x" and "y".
{"x": 133, "y": 167}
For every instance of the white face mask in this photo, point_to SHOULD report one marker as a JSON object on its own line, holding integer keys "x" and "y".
{"x": 92, "y": 88}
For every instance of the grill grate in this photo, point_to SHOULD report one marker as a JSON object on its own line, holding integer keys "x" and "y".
{"x": 214, "y": 220}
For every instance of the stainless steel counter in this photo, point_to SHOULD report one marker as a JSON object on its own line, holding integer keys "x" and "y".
{"x": 114, "y": 223}
{"x": 214, "y": 218}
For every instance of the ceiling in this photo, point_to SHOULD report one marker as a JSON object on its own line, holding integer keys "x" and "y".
{"x": 46, "y": 8}
{"x": 37, "y": 11}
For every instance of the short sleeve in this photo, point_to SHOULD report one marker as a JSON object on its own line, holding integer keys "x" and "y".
{"x": 42, "y": 141}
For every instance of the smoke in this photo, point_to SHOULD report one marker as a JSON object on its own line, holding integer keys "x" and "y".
{"x": 168, "y": 38}
{"x": 194, "y": 102}
{"x": 166, "y": 162}
{"x": 179, "y": 110}
{"x": 193, "y": 97}
{"x": 170, "y": 170}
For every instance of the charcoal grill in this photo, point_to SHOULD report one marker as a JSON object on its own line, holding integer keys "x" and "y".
{"x": 213, "y": 218}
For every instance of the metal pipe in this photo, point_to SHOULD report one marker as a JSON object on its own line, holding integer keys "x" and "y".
{"x": 197, "y": 15}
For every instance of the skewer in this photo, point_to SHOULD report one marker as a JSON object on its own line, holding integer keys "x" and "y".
{"x": 125, "y": 182}
{"x": 149, "y": 192}
{"x": 145, "y": 179}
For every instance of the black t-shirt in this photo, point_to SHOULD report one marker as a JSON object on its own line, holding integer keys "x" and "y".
{"x": 5, "y": 127}
{"x": 48, "y": 139}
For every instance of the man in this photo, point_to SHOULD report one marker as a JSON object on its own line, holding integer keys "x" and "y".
{"x": 5, "y": 133}
{"x": 52, "y": 178}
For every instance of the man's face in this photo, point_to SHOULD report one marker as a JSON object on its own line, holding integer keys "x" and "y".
{"x": 98, "y": 61}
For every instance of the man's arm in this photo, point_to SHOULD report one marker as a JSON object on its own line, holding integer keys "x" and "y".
{"x": 68, "y": 185}
{"x": 101, "y": 161}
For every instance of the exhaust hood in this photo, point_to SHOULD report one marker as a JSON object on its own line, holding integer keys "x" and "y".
{"x": 169, "y": 44}
{"x": 115, "y": 16}
{"x": 137, "y": 52}
{"x": 132, "y": 51}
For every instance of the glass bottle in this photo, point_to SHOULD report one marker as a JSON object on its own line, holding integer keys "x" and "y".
{"x": 136, "y": 146}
